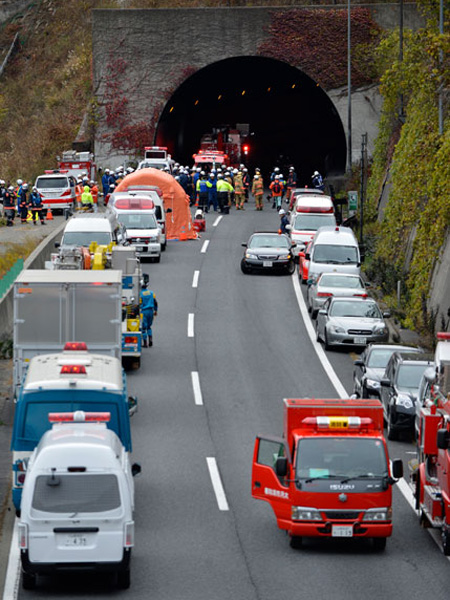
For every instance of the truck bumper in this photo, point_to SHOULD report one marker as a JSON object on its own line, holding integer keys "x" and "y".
{"x": 325, "y": 529}
{"x": 52, "y": 568}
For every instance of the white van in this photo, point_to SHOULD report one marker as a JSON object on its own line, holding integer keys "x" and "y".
{"x": 333, "y": 249}
{"x": 78, "y": 501}
{"x": 155, "y": 193}
{"x": 137, "y": 214}
{"x": 57, "y": 189}
{"x": 309, "y": 213}
{"x": 84, "y": 228}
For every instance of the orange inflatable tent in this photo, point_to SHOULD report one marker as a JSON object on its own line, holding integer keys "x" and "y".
{"x": 179, "y": 221}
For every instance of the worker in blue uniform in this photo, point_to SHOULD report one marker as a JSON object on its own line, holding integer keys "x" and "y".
{"x": 149, "y": 309}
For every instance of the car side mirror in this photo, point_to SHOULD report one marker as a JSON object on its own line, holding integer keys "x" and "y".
{"x": 57, "y": 244}
{"x": 168, "y": 210}
{"x": 386, "y": 314}
{"x": 358, "y": 363}
{"x": 281, "y": 466}
{"x": 244, "y": 245}
{"x": 385, "y": 383}
{"x": 430, "y": 375}
{"x": 442, "y": 439}
{"x": 368, "y": 284}
{"x": 323, "y": 311}
{"x": 136, "y": 469}
{"x": 397, "y": 468}
{"x": 307, "y": 255}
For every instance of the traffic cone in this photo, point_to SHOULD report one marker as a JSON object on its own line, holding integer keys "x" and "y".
{"x": 183, "y": 234}
{"x": 49, "y": 216}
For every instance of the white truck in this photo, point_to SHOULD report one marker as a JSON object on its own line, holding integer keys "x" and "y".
{"x": 55, "y": 307}
{"x": 78, "y": 501}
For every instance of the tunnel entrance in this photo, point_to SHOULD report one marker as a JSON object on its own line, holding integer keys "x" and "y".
{"x": 291, "y": 119}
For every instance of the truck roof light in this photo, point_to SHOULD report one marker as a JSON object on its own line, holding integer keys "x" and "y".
{"x": 443, "y": 335}
{"x": 338, "y": 422}
{"x": 73, "y": 370}
{"x": 79, "y": 416}
{"x": 75, "y": 346}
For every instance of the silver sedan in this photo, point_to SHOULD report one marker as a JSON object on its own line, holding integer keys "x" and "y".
{"x": 330, "y": 285}
{"x": 351, "y": 321}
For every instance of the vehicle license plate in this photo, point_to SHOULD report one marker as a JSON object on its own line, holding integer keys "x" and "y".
{"x": 76, "y": 539}
{"x": 360, "y": 340}
{"x": 342, "y": 531}
{"x": 267, "y": 263}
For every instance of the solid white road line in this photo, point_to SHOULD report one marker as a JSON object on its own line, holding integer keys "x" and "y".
{"x": 11, "y": 589}
{"x": 217, "y": 483}
{"x": 217, "y": 221}
{"x": 195, "y": 279}
{"x": 190, "y": 328}
{"x": 402, "y": 484}
{"x": 198, "y": 398}
{"x": 316, "y": 345}
{"x": 205, "y": 246}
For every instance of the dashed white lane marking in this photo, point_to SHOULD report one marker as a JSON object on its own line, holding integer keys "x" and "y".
{"x": 190, "y": 328}
{"x": 205, "y": 246}
{"x": 195, "y": 279}
{"x": 217, "y": 221}
{"x": 402, "y": 484}
{"x": 217, "y": 483}
{"x": 12, "y": 580}
{"x": 198, "y": 398}
{"x": 316, "y": 345}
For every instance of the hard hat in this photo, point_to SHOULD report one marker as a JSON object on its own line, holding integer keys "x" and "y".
{"x": 19, "y": 182}
{"x": 235, "y": 171}
{"x": 25, "y": 186}
{"x": 291, "y": 169}
{"x": 257, "y": 170}
{"x": 144, "y": 283}
{"x": 277, "y": 176}
{"x": 212, "y": 174}
{"x": 92, "y": 182}
{"x": 198, "y": 169}
{"x": 34, "y": 189}
{"x": 276, "y": 169}
{"x": 282, "y": 211}
{"x": 130, "y": 169}
{"x": 256, "y": 177}
{"x": 227, "y": 173}
{"x": 220, "y": 176}
{"x": 85, "y": 178}
{"x": 241, "y": 166}
{"x": 177, "y": 178}
{"x": 202, "y": 173}
{"x": 11, "y": 188}
{"x": 213, "y": 171}
{"x": 106, "y": 170}
{"x": 315, "y": 173}
{"x": 245, "y": 170}
{"x": 118, "y": 169}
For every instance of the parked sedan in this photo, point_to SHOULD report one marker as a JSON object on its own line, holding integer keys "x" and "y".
{"x": 351, "y": 321}
{"x": 371, "y": 365}
{"x": 333, "y": 284}
{"x": 268, "y": 251}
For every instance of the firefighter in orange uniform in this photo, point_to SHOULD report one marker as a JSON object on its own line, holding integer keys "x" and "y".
{"x": 94, "y": 192}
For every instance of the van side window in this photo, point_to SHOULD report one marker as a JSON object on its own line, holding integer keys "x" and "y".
{"x": 158, "y": 213}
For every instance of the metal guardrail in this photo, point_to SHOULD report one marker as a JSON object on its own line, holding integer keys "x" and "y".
{"x": 9, "y": 278}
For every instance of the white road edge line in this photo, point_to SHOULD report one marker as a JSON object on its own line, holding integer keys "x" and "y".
{"x": 217, "y": 483}
{"x": 190, "y": 327}
{"x": 402, "y": 484}
{"x": 195, "y": 279}
{"x": 217, "y": 221}
{"x": 198, "y": 398}
{"x": 205, "y": 246}
{"x": 12, "y": 580}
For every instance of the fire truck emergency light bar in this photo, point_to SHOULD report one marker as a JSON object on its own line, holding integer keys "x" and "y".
{"x": 75, "y": 346}
{"x": 338, "y": 422}
{"x": 79, "y": 416}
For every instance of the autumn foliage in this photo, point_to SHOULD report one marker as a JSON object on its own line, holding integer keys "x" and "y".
{"x": 315, "y": 41}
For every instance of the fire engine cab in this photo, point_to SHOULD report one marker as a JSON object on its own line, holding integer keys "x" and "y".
{"x": 432, "y": 480}
{"x": 329, "y": 475}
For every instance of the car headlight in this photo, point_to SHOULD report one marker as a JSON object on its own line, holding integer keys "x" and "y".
{"x": 372, "y": 383}
{"x": 250, "y": 255}
{"x": 378, "y": 514}
{"x": 288, "y": 256}
{"x": 153, "y": 239}
{"x": 303, "y": 513}
{"x": 404, "y": 401}
{"x": 337, "y": 329}
{"x": 380, "y": 329}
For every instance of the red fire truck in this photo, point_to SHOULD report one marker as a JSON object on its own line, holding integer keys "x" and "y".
{"x": 432, "y": 478}
{"x": 77, "y": 163}
{"x": 329, "y": 475}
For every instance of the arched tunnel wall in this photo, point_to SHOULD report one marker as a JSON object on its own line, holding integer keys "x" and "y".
{"x": 147, "y": 60}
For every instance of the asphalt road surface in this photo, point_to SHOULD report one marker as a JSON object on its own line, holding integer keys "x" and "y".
{"x": 249, "y": 346}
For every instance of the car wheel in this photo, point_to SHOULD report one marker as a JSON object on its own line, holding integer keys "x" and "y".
{"x": 244, "y": 268}
{"x": 317, "y": 332}
{"x": 28, "y": 581}
{"x": 446, "y": 542}
{"x": 163, "y": 247}
{"x": 158, "y": 259}
{"x": 123, "y": 579}
{"x": 314, "y": 314}
{"x": 325, "y": 341}
{"x": 291, "y": 267}
{"x": 379, "y": 544}
{"x": 392, "y": 433}
{"x": 295, "y": 542}
{"x": 309, "y": 308}
{"x": 364, "y": 393}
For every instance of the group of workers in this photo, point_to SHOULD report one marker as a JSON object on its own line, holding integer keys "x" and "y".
{"x": 19, "y": 201}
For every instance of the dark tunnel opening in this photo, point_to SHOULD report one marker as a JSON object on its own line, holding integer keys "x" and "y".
{"x": 291, "y": 119}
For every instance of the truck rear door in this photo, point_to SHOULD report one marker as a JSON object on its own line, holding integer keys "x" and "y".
{"x": 266, "y": 485}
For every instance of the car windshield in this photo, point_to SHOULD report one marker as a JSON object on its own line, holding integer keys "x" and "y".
{"x": 327, "y": 253}
{"x": 268, "y": 241}
{"x": 367, "y": 310}
{"x": 138, "y": 220}
{"x": 408, "y": 376}
{"x": 342, "y": 457}
{"x": 379, "y": 358}
{"x": 76, "y": 493}
{"x": 330, "y": 280}
{"x": 312, "y": 221}
{"x": 52, "y": 182}
{"x": 84, "y": 238}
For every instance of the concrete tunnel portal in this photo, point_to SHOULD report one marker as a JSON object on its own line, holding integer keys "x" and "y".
{"x": 291, "y": 119}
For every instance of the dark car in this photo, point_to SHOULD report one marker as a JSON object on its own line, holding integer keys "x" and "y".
{"x": 399, "y": 389}
{"x": 267, "y": 252}
{"x": 371, "y": 365}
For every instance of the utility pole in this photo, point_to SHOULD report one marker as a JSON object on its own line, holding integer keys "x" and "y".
{"x": 361, "y": 193}
{"x": 349, "y": 90}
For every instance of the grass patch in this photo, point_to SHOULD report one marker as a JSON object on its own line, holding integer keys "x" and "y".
{"x": 12, "y": 251}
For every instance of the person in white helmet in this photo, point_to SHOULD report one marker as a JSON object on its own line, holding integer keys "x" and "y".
{"x": 258, "y": 191}
{"x": 284, "y": 221}
{"x": 276, "y": 187}
{"x": 18, "y": 192}
{"x": 317, "y": 181}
